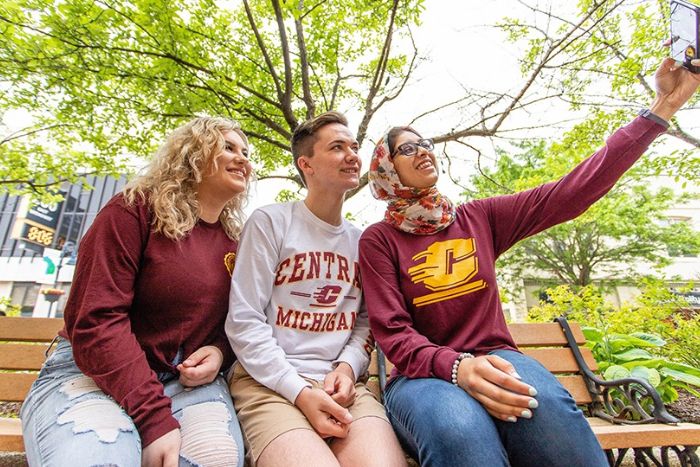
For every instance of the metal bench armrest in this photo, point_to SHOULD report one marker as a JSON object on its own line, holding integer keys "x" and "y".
{"x": 621, "y": 400}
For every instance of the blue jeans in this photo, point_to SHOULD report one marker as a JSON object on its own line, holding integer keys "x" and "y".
{"x": 68, "y": 421}
{"x": 439, "y": 424}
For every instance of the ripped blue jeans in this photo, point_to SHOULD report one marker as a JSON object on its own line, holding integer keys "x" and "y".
{"x": 68, "y": 421}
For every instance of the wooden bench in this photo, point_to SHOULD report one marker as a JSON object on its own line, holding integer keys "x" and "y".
{"x": 619, "y": 428}
{"x": 23, "y": 345}
{"x": 619, "y": 422}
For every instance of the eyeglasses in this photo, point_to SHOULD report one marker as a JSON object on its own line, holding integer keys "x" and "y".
{"x": 411, "y": 149}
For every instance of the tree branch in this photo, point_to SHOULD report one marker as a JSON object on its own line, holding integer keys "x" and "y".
{"x": 304, "y": 64}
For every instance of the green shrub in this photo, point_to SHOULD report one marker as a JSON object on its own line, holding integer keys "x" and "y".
{"x": 624, "y": 355}
{"x": 654, "y": 337}
{"x": 7, "y": 306}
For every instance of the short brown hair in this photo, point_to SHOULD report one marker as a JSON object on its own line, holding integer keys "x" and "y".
{"x": 304, "y": 136}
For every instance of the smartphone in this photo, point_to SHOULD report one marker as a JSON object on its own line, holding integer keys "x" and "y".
{"x": 685, "y": 23}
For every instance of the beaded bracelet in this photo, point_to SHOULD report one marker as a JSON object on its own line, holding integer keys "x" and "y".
{"x": 455, "y": 365}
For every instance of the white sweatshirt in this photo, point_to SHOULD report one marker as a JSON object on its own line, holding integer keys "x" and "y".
{"x": 296, "y": 304}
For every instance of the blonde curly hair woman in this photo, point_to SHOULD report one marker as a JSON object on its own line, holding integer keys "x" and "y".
{"x": 136, "y": 375}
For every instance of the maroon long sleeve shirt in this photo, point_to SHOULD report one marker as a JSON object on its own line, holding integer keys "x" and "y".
{"x": 137, "y": 298}
{"x": 430, "y": 297}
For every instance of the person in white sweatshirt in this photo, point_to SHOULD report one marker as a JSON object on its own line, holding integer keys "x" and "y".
{"x": 298, "y": 324}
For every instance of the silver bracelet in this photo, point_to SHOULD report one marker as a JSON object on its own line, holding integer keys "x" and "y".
{"x": 455, "y": 365}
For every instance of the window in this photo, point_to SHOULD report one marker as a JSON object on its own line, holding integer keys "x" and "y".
{"x": 24, "y": 295}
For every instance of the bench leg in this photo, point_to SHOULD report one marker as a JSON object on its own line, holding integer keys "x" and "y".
{"x": 685, "y": 456}
{"x": 615, "y": 458}
{"x": 643, "y": 457}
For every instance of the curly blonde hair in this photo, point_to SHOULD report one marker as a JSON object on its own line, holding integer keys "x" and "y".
{"x": 169, "y": 182}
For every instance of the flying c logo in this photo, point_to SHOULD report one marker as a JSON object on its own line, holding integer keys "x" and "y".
{"x": 326, "y": 296}
{"x": 446, "y": 270}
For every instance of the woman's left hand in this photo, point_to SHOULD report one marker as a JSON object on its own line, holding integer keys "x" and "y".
{"x": 674, "y": 87}
{"x": 201, "y": 367}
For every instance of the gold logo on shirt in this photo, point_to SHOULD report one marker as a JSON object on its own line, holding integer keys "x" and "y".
{"x": 230, "y": 261}
{"x": 447, "y": 270}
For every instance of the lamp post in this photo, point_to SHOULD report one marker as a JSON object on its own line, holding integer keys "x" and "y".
{"x": 53, "y": 295}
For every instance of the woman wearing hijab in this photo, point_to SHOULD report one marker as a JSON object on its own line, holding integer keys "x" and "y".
{"x": 461, "y": 394}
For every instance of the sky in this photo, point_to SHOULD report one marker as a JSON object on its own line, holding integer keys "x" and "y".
{"x": 461, "y": 50}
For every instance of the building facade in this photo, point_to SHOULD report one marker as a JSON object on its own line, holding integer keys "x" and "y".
{"x": 38, "y": 244}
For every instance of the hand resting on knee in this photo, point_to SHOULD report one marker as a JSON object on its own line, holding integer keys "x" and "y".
{"x": 493, "y": 382}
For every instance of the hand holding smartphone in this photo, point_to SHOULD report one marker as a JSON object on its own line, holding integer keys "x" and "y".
{"x": 685, "y": 40}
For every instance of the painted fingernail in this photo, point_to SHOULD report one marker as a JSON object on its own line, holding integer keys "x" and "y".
{"x": 526, "y": 414}
{"x": 695, "y": 62}
{"x": 532, "y": 391}
{"x": 533, "y": 404}
{"x": 515, "y": 374}
{"x": 512, "y": 419}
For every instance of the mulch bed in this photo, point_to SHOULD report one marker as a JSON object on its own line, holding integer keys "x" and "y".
{"x": 686, "y": 408}
{"x": 10, "y": 409}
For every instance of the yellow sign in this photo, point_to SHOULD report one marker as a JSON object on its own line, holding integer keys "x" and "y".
{"x": 36, "y": 223}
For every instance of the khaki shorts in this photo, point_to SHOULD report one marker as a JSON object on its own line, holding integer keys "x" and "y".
{"x": 264, "y": 415}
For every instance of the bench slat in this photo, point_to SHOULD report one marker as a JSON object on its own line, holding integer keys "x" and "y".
{"x": 574, "y": 384}
{"x": 640, "y": 436}
{"x": 22, "y": 356}
{"x": 374, "y": 368}
{"x": 543, "y": 334}
{"x": 556, "y": 360}
{"x": 29, "y": 329}
{"x": 577, "y": 387}
{"x": 561, "y": 360}
{"x": 15, "y": 386}
{"x": 11, "y": 435}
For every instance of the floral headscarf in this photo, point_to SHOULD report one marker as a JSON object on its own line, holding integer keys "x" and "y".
{"x": 420, "y": 211}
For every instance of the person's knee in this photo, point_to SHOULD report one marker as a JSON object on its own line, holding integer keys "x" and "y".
{"x": 207, "y": 437}
{"x": 89, "y": 410}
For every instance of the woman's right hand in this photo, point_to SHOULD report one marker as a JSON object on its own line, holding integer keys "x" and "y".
{"x": 163, "y": 452}
{"x": 201, "y": 367}
{"x": 493, "y": 382}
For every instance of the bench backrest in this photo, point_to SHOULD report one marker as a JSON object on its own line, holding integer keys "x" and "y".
{"x": 546, "y": 343}
{"x": 23, "y": 344}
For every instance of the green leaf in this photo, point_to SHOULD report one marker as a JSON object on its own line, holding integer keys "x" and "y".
{"x": 651, "y": 338}
{"x": 649, "y": 374}
{"x": 616, "y": 372}
{"x": 680, "y": 376}
{"x": 592, "y": 334}
{"x": 628, "y": 340}
{"x": 633, "y": 354}
{"x": 691, "y": 370}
